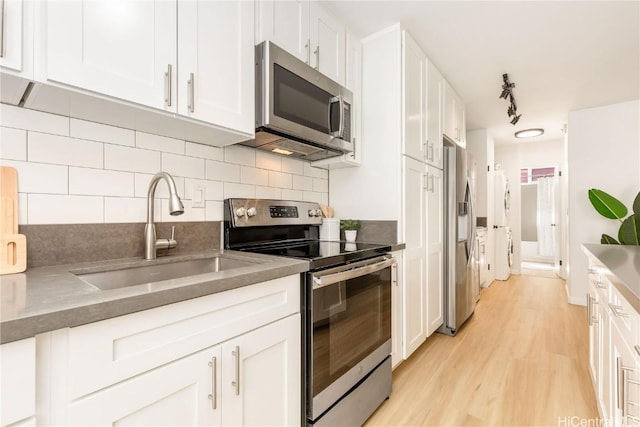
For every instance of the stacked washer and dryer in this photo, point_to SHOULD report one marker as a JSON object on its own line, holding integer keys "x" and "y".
{"x": 504, "y": 242}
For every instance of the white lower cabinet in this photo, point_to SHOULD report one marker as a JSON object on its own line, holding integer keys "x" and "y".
{"x": 396, "y": 309}
{"x": 18, "y": 382}
{"x": 253, "y": 379}
{"x": 231, "y": 358}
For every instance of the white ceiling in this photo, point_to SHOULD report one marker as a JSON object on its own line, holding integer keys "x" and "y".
{"x": 562, "y": 55}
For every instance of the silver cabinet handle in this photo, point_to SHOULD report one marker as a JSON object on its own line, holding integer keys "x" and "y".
{"x": 317, "y": 53}
{"x": 394, "y": 269}
{"x": 214, "y": 379}
{"x": 1, "y": 28}
{"x": 190, "y": 93}
{"x": 589, "y": 308}
{"x": 307, "y": 46}
{"x": 236, "y": 382}
{"x": 618, "y": 310}
{"x": 599, "y": 285}
{"x": 637, "y": 349}
{"x": 620, "y": 383}
{"x": 167, "y": 86}
{"x": 431, "y": 150}
{"x": 432, "y": 178}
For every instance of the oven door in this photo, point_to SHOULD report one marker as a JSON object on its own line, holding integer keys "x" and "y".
{"x": 348, "y": 328}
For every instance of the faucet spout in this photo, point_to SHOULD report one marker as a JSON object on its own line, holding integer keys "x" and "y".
{"x": 175, "y": 208}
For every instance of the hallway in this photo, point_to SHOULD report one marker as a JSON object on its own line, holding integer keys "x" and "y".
{"x": 521, "y": 360}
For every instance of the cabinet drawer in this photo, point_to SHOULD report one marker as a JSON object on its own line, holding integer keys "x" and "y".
{"x": 112, "y": 350}
{"x": 600, "y": 283}
{"x": 623, "y": 315}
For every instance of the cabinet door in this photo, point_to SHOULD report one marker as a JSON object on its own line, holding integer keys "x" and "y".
{"x": 286, "y": 23}
{"x": 216, "y": 63}
{"x": 435, "y": 88}
{"x": 460, "y": 124}
{"x": 396, "y": 309}
{"x": 435, "y": 249}
{"x": 261, "y": 376}
{"x": 625, "y": 381}
{"x": 126, "y": 50}
{"x": 415, "y": 320}
{"x": 177, "y": 394}
{"x": 18, "y": 382}
{"x": 16, "y": 39}
{"x": 414, "y": 98}
{"x": 327, "y": 43}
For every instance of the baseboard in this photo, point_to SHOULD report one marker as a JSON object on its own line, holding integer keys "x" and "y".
{"x": 574, "y": 300}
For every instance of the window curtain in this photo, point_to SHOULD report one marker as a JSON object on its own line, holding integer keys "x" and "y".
{"x": 546, "y": 216}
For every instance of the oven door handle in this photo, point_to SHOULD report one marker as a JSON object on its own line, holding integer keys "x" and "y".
{"x": 321, "y": 280}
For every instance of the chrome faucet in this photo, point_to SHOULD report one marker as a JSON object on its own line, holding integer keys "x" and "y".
{"x": 151, "y": 245}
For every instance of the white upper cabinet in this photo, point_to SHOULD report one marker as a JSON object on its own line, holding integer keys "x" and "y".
{"x": 306, "y": 30}
{"x": 327, "y": 37}
{"x": 414, "y": 99}
{"x": 122, "y": 49}
{"x": 454, "y": 116}
{"x": 286, "y": 23}
{"x": 16, "y": 38}
{"x": 194, "y": 58}
{"x": 216, "y": 62}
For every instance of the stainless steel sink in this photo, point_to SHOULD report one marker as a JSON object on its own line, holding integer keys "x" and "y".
{"x": 131, "y": 276}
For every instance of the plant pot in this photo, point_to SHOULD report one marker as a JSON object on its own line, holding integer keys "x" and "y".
{"x": 350, "y": 235}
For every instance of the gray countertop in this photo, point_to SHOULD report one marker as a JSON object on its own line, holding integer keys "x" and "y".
{"x": 621, "y": 265}
{"x": 48, "y": 298}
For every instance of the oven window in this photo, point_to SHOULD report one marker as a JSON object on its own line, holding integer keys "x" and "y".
{"x": 299, "y": 101}
{"x": 351, "y": 319}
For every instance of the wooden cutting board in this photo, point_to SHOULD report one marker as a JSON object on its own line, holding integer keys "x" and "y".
{"x": 13, "y": 246}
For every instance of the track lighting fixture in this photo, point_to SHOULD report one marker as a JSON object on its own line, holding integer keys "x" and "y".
{"x": 512, "y": 111}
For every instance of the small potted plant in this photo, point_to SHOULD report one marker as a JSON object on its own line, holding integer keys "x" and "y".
{"x": 350, "y": 227}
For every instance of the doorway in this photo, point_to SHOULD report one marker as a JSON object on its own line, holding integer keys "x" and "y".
{"x": 539, "y": 208}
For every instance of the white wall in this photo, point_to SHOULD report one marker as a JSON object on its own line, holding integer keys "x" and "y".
{"x": 75, "y": 171}
{"x": 514, "y": 157}
{"x": 604, "y": 153}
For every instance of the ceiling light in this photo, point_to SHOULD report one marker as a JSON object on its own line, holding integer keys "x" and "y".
{"x": 529, "y": 133}
{"x": 515, "y": 119}
{"x": 281, "y": 151}
{"x": 511, "y": 111}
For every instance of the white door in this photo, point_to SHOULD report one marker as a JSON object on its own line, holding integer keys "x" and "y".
{"x": 435, "y": 86}
{"x": 177, "y": 394}
{"x": 286, "y": 23}
{"x": 261, "y": 376}
{"x": 18, "y": 381}
{"x": 435, "y": 246}
{"x": 216, "y": 56}
{"x": 126, "y": 50}
{"x": 327, "y": 43}
{"x": 415, "y": 236}
{"x": 414, "y": 98}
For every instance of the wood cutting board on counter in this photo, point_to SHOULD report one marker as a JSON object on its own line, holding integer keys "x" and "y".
{"x": 13, "y": 246}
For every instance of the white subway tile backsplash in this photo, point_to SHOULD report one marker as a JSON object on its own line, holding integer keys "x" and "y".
{"x": 320, "y": 185}
{"x": 293, "y": 166}
{"x": 126, "y": 209}
{"x": 40, "y": 177}
{"x": 220, "y": 171}
{"x": 302, "y": 183}
{"x": 249, "y": 175}
{"x": 315, "y": 172}
{"x": 268, "y": 193}
{"x": 240, "y": 155}
{"x": 280, "y": 179}
{"x": 214, "y": 211}
{"x": 13, "y": 144}
{"x": 22, "y": 118}
{"x": 268, "y": 161}
{"x": 204, "y": 151}
{"x": 85, "y": 181}
{"x": 102, "y": 133}
{"x": 231, "y": 189}
{"x": 131, "y": 159}
{"x": 77, "y": 171}
{"x": 189, "y": 167}
{"x": 159, "y": 143}
{"x": 162, "y": 189}
{"x": 62, "y": 150}
{"x": 65, "y": 209}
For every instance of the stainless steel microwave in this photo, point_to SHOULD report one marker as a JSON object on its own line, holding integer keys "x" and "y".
{"x": 299, "y": 111}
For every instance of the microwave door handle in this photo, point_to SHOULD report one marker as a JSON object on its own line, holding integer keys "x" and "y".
{"x": 341, "y": 127}
{"x": 332, "y": 101}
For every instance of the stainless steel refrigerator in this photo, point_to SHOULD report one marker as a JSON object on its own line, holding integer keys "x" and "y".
{"x": 460, "y": 291}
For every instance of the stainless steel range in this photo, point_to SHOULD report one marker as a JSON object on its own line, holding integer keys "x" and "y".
{"x": 346, "y": 306}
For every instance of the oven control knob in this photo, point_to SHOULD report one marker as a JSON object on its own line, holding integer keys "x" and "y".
{"x": 314, "y": 212}
{"x": 251, "y": 212}
{"x": 241, "y": 212}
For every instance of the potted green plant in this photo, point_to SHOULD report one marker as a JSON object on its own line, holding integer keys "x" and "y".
{"x": 350, "y": 227}
{"x": 612, "y": 208}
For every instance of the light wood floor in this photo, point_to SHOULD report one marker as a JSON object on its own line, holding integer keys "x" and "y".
{"x": 520, "y": 360}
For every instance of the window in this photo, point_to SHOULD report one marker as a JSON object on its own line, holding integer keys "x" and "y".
{"x": 530, "y": 175}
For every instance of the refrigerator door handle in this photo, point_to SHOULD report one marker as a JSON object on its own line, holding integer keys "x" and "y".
{"x": 471, "y": 238}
